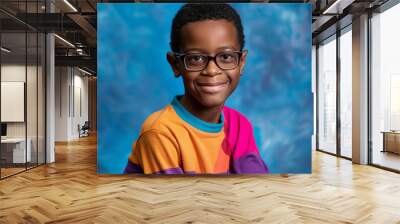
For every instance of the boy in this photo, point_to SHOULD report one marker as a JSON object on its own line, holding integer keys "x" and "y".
{"x": 196, "y": 133}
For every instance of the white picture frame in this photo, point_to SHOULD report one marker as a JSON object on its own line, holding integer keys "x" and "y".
{"x": 12, "y": 101}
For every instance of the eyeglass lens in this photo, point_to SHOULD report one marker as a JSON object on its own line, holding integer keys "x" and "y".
{"x": 224, "y": 60}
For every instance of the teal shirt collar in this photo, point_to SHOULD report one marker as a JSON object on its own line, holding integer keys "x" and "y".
{"x": 195, "y": 121}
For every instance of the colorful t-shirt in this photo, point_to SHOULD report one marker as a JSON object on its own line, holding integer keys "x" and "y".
{"x": 173, "y": 141}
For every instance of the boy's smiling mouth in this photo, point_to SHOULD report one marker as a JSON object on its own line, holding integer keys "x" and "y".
{"x": 212, "y": 87}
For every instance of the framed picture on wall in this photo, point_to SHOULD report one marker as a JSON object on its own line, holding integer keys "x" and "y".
{"x": 204, "y": 88}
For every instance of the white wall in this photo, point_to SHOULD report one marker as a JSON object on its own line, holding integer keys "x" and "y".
{"x": 62, "y": 81}
{"x": 81, "y": 108}
{"x": 16, "y": 73}
{"x": 71, "y": 93}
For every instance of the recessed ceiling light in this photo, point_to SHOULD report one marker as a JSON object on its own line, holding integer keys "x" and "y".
{"x": 65, "y": 41}
{"x": 5, "y": 50}
{"x": 84, "y": 71}
{"x": 70, "y": 5}
{"x": 338, "y": 6}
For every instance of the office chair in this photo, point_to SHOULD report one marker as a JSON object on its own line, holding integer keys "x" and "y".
{"x": 84, "y": 130}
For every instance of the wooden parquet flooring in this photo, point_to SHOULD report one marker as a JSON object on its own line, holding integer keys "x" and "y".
{"x": 70, "y": 191}
{"x": 10, "y": 171}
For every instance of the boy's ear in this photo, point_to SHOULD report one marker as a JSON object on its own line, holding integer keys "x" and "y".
{"x": 243, "y": 61}
{"x": 174, "y": 62}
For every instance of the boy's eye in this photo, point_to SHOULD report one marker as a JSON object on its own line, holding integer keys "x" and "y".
{"x": 195, "y": 59}
{"x": 226, "y": 57}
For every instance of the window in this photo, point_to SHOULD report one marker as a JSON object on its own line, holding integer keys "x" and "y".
{"x": 327, "y": 95}
{"x": 385, "y": 88}
{"x": 346, "y": 92}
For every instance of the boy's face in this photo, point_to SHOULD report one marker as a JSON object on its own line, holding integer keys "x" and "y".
{"x": 212, "y": 85}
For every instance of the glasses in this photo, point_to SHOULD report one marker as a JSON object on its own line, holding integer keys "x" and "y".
{"x": 195, "y": 62}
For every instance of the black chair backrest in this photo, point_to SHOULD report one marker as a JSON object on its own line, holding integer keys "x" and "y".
{"x": 86, "y": 125}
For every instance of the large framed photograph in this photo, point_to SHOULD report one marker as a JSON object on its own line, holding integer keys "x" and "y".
{"x": 204, "y": 88}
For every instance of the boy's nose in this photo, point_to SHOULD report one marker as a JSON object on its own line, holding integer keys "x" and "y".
{"x": 212, "y": 69}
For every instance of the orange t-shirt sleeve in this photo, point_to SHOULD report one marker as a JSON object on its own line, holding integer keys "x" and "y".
{"x": 156, "y": 152}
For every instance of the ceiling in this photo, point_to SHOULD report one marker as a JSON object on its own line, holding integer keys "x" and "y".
{"x": 76, "y": 22}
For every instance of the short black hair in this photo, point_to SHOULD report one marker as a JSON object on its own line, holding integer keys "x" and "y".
{"x": 194, "y": 12}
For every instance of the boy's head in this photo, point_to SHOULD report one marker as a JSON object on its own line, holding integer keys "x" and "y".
{"x": 207, "y": 41}
{"x": 200, "y": 12}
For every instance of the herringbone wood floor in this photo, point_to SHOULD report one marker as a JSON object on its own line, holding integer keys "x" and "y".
{"x": 70, "y": 191}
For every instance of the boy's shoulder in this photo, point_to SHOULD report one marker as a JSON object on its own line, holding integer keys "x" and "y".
{"x": 159, "y": 120}
{"x": 232, "y": 115}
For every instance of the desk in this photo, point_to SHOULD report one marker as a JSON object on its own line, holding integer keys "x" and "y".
{"x": 13, "y": 150}
{"x": 391, "y": 141}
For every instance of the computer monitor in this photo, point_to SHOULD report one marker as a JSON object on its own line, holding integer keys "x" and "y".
{"x": 3, "y": 129}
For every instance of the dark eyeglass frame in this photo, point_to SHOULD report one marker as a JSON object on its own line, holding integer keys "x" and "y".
{"x": 181, "y": 56}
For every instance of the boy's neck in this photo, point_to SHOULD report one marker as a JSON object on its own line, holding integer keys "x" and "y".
{"x": 207, "y": 114}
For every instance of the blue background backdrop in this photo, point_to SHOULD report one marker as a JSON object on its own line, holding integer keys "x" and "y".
{"x": 135, "y": 79}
